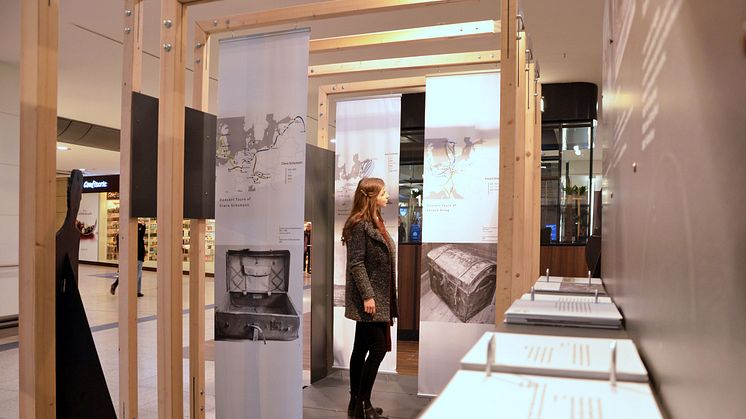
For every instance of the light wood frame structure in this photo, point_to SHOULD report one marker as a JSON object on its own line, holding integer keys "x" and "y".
{"x": 38, "y": 110}
{"x": 37, "y": 282}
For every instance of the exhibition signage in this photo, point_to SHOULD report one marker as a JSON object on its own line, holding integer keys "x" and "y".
{"x": 367, "y": 145}
{"x": 259, "y": 204}
{"x": 459, "y": 225}
{"x": 87, "y": 223}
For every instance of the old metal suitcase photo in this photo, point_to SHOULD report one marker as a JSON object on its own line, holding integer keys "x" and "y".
{"x": 464, "y": 280}
{"x": 258, "y": 307}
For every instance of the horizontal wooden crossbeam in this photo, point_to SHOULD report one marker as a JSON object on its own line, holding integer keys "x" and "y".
{"x": 373, "y": 85}
{"x": 438, "y": 32}
{"x": 306, "y": 12}
{"x": 438, "y": 60}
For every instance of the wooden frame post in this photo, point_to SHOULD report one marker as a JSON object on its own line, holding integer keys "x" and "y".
{"x": 529, "y": 174}
{"x": 200, "y": 101}
{"x": 537, "y": 180}
{"x": 170, "y": 209}
{"x": 506, "y": 285}
{"x": 38, "y": 91}
{"x": 131, "y": 82}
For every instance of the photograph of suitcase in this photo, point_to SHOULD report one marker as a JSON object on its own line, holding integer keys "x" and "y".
{"x": 465, "y": 281}
{"x": 258, "y": 307}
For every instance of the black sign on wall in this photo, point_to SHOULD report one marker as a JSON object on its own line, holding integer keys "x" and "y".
{"x": 105, "y": 183}
{"x": 199, "y": 160}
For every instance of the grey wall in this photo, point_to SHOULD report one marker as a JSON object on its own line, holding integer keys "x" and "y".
{"x": 9, "y": 192}
{"x": 674, "y": 230}
{"x": 320, "y": 212}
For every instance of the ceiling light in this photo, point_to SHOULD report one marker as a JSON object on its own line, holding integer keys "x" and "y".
{"x": 62, "y": 148}
{"x": 333, "y": 141}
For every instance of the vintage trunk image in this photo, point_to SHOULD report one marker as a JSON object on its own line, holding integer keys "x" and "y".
{"x": 257, "y": 307}
{"x": 458, "y": 283}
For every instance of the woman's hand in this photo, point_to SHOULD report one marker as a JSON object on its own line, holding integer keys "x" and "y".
{"x": 370, "y": 306}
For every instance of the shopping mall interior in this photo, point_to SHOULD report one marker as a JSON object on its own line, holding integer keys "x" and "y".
{"x": 554, "y": 228}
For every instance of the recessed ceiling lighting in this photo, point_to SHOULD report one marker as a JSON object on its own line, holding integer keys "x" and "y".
{"x": 62, "y": 148}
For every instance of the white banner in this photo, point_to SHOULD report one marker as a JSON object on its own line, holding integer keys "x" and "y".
{"x": 462, "y": 157}
{"x": 368, "y": 135}
{"x": 260, "y": 181}
{"x": 459, "y": 250}
{"x": 87, "y": 221}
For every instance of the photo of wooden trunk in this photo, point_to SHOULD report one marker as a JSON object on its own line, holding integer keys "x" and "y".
{"x": 258, "y": 307}
{"x": 464, "y": 280}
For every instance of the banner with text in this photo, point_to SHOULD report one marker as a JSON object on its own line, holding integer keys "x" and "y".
{"x": 367, "y": 145}
{"x": 459, "y": 221}
{"x": 259, "y": 204}
{"x": 87, "y": 221}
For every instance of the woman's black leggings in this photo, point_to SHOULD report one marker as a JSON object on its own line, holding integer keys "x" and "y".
{"x": 370, "y": 339}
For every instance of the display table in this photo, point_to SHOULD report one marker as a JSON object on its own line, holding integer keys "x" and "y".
{"x": 472, "y": 394}
{"x": 561, "y": 356}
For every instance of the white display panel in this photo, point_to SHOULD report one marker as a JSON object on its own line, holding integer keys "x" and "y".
{"x": 566, "y": 298}
{"x": 561, "y": 356}
{"x": 367, "y": 145}
{"x": 472, "y": 394}
{"x": 573, "y": 279}
{"x": 459, "y": 221}
{"x": 564, "y": 313}
{"x": 259, "y": 205}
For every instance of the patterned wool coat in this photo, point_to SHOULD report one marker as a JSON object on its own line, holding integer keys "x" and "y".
{"x": 371, "y": 265}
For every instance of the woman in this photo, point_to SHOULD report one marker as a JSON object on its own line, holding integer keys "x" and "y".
{"x": 370, "y": 291}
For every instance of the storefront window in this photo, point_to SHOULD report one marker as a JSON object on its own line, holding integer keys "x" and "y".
{"x": 568, "y": 179}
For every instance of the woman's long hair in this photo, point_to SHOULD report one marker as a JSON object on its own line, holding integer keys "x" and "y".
{"x": 364, "y": 207}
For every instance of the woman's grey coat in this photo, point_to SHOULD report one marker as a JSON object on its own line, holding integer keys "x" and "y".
{"x": 371, "y": 263}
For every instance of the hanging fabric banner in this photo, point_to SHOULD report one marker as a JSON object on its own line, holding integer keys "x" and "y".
{"x": 259, "y": 202}
{"x": 367, "y": 145}
{"x": 459, "y": 225}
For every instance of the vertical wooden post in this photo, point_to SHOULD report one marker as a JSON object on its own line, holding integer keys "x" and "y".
{"x": 519, "y": 181}
{"x": 131, "y": 82}
{"x": 537, "y": 179}
{"x": 323, "y": 129}
{"x": 170, "y": 209}
{"x": 200, "y": 100}
{"x": 508, "y": 85}
{"x": 38, "y": 68}
{"x": 529, "y": 169}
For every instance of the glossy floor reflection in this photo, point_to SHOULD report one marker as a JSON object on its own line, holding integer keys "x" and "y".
{"x": 325, "y": 399}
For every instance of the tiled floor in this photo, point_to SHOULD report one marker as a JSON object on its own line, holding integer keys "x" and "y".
{"x": 325, "y": 399}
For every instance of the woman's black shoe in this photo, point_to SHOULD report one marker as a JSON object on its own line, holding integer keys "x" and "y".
{"x": 351, "y": 407}
{"x": 366, "y": 411}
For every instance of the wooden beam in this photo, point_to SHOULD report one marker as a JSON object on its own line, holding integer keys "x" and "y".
{"x": 537, "y": 179}
{"x": 355, "y": 87}
{"x": 373, "y": 85}
{"x": 508, "y": 94}
{"x": 310, "y": 11}
{"x": 438, "y": 32}
{"x": 438, "y": 60}
{"x": 170, "y": 209}
{"x": 131, "y": 82}
{"x": 322, "y": 134}
{"x": 200, "y": 100}
{"x": 519, "y": 176}
{"x": 37, "y": 284}
{"x": 529, "y": 170}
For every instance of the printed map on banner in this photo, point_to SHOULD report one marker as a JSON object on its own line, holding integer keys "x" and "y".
{"x": 249, "y": 163}
{"x": 462, "y": 157}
